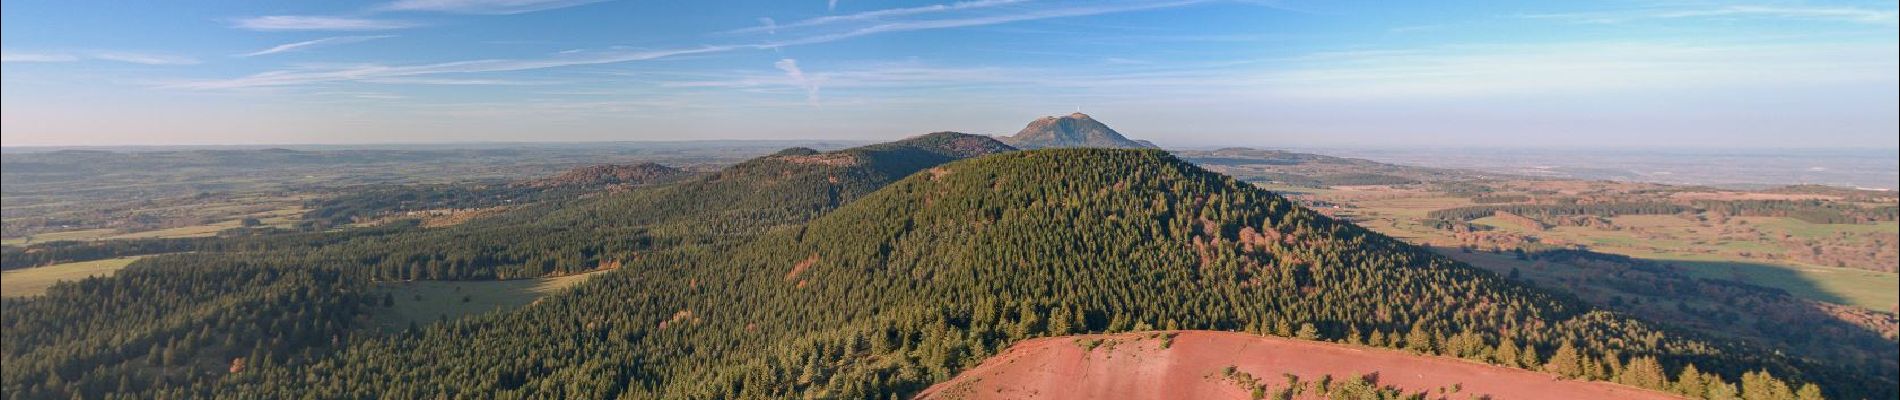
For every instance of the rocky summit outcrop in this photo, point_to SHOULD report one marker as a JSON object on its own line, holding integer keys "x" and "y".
{"x": 1073, "y": 130}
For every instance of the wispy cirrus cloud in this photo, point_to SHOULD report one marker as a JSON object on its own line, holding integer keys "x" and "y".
{"x": 114, "y": 56}
{"x": 370, "y": 72}
{"x": 144, "y": 58}
{"x": 365, "y": 95}
{"x": 308, "y": 44}
{"x": 486, "y": 7}
{"x": 876, "y": 75}
{"x": 319, "y": 23}
{"x": 1467, "y": 71}
{"x": 1841, "y": 14}
{"x": 882, "y": 14}
{"x": 373, "y": 72}
{"x": 769, "y": 25}
{"x": 1080, "y": 10}
{"x": 339, "y": 23}
{"x": 790, "y": 66}
{"x": 458, "y": 82}
{"x": 12, "y": 57}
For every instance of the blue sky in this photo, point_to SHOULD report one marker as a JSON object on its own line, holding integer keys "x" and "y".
{"x": 1179, "y": 72}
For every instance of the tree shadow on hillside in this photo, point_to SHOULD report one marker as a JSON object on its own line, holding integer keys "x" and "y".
{"x": 1765, "y": 275}
{"x": 1724, "y": 299}
{"x": 424, "y": 302}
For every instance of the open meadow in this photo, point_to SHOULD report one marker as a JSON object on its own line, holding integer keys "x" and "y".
{"x": 34, "y": 281}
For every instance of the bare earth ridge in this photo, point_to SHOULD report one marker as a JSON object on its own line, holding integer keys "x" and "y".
{"x": 1145, "y": 365}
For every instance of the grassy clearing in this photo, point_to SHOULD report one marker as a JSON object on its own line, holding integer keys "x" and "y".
{"x": 422, "y": 302}
{"x": 1290, "y": 190}
{"x": 87, "y": 234}
{"x": 1673, "y": 240}
{"x": 179, "y": 232}
{"x": 1711, "y": 251}
{"x": 1871, "y": 289}
{"x": 282, "y": 218}
{"x": 34, "y": 281}
{"x": 1653, "y": 221}
{"x": 1412, "y": 207}
{"x": 1803, "y": 229}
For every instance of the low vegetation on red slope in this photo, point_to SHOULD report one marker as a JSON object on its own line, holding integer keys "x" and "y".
{"x": 1228, "y": 365}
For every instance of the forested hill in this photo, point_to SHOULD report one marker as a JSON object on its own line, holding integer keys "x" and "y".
{"x": 608, "y": 175}
{"x": 176, "y": 325}
{"x": 929, "y": 275}
{"x": 743, "y": 200}
{"x": 574, "y": 235}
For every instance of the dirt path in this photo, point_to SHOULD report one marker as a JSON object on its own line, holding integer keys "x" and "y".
{"x": 1193, "y": 366}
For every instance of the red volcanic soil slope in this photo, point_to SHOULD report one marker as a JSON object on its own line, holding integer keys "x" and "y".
{"x": 1194, "y": 365}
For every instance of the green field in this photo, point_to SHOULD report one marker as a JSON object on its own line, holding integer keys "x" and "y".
{"x": 1871, "y": 289}
{"x": 282, "y": 218}
{"x": 87, "y": 234}
{"x": 1411, "y": 207}
{"x": 1803, "y": 229}
{"x": 34, "y": 281}
{"x": 1700, "y": 251}
{"x": 422, "y": 302}
{"x": 1743, "y": 248}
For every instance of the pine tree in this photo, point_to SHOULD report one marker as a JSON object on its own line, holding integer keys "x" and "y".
{"x": 1689, "y": 382}
{"x": 1566, "y": 361}
{"x": 1644, "y": 372}
{"x": 1060, "y": 321}
{"x": 1761, "y": 385}
{"x": 1507, "y": 353}
{"x": 1528, "y": 358}
{"x": 1593, "y": 369}
{"x": 1720, "y": 389}
{"x": 1809, "y": 392}
{"x": 1418, "y": 340}
{"x": 1308, "y": 331}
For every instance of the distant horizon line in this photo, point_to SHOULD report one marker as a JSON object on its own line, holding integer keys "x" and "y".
{"x": 55, "y": 147}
